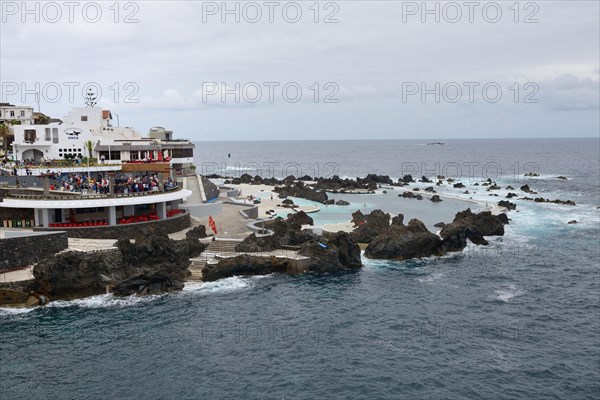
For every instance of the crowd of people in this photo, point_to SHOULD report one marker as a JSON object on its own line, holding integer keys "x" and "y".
{"x": 142, "y": 183}
{"x": 99, "y": 184}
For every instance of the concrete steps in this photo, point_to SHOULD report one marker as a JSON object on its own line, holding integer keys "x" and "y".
{"x": 196, "y": 275}
{"x": 223, "y": 246}
{"x": 196, "y": 268}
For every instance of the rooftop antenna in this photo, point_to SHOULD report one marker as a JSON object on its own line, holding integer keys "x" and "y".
{"x": 37, "y": 100}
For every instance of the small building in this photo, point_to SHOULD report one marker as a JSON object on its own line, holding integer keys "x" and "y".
{"x": 10, "y": 113}
{"x": 67, "y": 138}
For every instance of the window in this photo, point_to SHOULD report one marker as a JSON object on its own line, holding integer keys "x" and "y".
{"x": 84, "y": 118}
{"x": 54, "y": 135}
{"x": 12, "y": 113}
{"x": 47, "y": 136}
{"x": 134, "y": 155}
{"x": 30, "y": 135}
{"x": 181, "y": 153}
{"x": 114, "y": 155}
{"x": 0, "y": 113}
{"x": 22, "y": 113}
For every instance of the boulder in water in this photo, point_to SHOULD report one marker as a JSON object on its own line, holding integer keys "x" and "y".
{"x": 76, "y": 274}
{"x": 369, "y": 226}
{"x": 404, "y": 242}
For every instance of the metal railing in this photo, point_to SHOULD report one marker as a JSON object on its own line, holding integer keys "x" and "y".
{"x": 57, "y": 195}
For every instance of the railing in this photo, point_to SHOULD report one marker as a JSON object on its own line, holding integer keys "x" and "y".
{"x": 54, "y": 195}
{"x": 127, "y": 220}
{"x": 185, "y": 171}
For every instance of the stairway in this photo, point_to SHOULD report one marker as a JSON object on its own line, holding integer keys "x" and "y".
{"x": 215, "y": 247}
{"x": 223, "y": 246}
{"x": 197, "y": 265}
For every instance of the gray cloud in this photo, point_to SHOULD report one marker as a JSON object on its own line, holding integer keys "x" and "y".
{"x": 370, "y": 54}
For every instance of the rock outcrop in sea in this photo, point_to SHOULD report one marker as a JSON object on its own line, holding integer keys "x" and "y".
{"x": 397, "y": 241}
{"x": 326, "y": 253}
{"x": 153, "y": 264}
{"x": 300, "y": 189}
{"x": 369, "y": 226}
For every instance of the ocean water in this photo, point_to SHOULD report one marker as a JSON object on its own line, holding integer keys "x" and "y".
{"x": 519, "y": 318}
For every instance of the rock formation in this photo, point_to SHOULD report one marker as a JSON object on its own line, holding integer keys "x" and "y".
{"x": 155, "y": 259}
{"x": 369, "y": 226}
{"x": 399, "y": 242}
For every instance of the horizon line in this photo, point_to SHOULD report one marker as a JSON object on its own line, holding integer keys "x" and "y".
{"x": 384, "y": 139}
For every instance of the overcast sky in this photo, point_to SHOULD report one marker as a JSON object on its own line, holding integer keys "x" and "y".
{"x": 168, "y": 63}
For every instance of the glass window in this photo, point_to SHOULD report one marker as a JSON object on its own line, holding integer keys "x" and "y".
{"x": 114, "y": 155}
{"x": 181, "y": 153}
{"x": 84, "y": 118}
{"x": 30, "y": 135}
{"x": 47, "y": 136}
{"x": 54, "y": 135}
{"x": 22, "y": 113}
{"x": 12, "y": 113}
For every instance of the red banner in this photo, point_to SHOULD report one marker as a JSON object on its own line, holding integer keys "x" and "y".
{"x": 212, "y": 225}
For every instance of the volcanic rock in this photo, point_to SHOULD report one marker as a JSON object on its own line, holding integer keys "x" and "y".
{"x": 253, "y": 243}
{"x": 407, "y": 179}
{"x": 507, "y": 204}
{"x": 404, "y": 242}
{"x": 504, "y": 218}
{"x": 484, "y": 222}
{"x": 244, "y": 265}
{"x": 300, "y": 218}
{"x": 198, "y": 232}
{"x": 143, "y": 284}
{"x": 525, "y": 188}
{"x": 370, "y": 226}
{"x": 78, "y": 274}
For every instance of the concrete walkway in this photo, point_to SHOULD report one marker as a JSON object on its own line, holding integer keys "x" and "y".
{"x": 91, "y": 244}
{"x": 17, "y": 276}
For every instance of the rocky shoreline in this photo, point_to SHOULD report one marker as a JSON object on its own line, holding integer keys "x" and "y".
{"x": 154, "y": 264}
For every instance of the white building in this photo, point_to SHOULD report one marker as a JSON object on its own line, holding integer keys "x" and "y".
{"x": 9, "y": 113}
{"x": 59, "y": 140}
